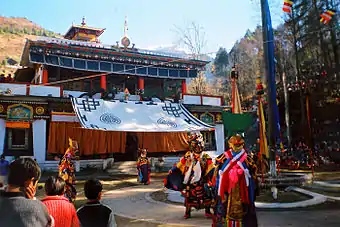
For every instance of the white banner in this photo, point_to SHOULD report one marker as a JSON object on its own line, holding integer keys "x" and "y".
{"x": 136, "y": 116}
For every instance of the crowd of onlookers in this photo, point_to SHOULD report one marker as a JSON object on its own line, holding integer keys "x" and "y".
{"x": 20, "y": 208}
{"x": 4, "y": 79}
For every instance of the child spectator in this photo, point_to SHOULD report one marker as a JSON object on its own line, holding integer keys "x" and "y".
{"x": 58, "y": 206}
{"x": 93, "y": 213}
{"x": 15, "y": 209}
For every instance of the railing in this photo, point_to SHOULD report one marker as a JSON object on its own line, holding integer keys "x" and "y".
{"x": 10, "y": 89}
{"x": 111, "y": 47}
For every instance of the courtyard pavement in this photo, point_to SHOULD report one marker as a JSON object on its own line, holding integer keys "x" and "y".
{"x": 135, "y": 203}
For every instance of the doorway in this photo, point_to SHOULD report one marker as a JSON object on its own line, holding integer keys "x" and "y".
{"x": 131, "y": 149}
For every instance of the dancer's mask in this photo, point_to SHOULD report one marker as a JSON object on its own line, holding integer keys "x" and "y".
{"x": 236, "y": 143}
{"x": 196, "y": 143}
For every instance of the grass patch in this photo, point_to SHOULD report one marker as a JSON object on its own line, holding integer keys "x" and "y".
{"x": 265, "y": 197}
{"x": 283, "y": 197}
{"x": 162, "y": 197}
{"x": 326, "y": 191}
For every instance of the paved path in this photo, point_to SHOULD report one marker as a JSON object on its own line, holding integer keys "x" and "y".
{"x": 134, "y": 203}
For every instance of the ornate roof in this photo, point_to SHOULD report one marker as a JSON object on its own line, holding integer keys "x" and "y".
{"x": 83, "y": 28}
{"x": 97, "y": 57}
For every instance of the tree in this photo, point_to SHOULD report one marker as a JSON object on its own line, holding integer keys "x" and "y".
{"x": 193, "y": 39}
{"x": 221, "y": 63}
{"x": 198, "y": 85}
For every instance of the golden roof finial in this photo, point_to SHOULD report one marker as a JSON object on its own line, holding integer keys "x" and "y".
{"x": 83, "y": 23}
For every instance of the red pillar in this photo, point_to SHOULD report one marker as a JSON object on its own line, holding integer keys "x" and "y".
{"x": 103, "y": 82}
{"x": 184, "y": 87}
{"x": 141, "y": 83}
{"x": 44, "y": 76}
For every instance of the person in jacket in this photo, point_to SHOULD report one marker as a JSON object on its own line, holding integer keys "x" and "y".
{"x": 94, "y": 213}
{"x": 3, "y": 170}
{"x": 58, "y": 205}
{"x": 17, "y": 205}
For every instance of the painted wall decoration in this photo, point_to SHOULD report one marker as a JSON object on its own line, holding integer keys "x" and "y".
{"x": 40, "y": 110}
{"x": 219, "y": 118}
{"x": 208, "y": 118}
{"x": 24, "y": 110}
{"x": 20, "y": 112}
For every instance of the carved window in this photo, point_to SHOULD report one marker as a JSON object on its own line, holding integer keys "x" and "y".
{"x": 18, "y": 138}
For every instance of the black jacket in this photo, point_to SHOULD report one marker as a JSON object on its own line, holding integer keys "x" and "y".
{"x": 95, "y": 214}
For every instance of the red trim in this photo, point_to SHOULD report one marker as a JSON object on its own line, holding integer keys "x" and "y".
{"x": 233, "y": 83}
{"x": 184, "y": 87}
{"x": 103, "y": 81}
{"x": 141, "y": 83}
{"x": 45, "y": 76}
{"x": 61, "y": 91}
{"x": 28, "y": 88}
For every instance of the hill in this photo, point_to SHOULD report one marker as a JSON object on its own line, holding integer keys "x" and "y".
{"x": 13, "y": 33}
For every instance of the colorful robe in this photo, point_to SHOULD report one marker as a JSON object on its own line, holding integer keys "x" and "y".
{"x": 193, "y": 173}
{"x": 144, "y": 170}
{"x": 236, "y": 187}
{"x": 66, "y": 171}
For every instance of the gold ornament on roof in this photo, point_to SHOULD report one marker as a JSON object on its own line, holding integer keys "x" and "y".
{"x": 40, "y": 110}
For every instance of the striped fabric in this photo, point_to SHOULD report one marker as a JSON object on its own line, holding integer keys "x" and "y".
{"x": 327, "y": 16}
{"x": 287, "y": 6}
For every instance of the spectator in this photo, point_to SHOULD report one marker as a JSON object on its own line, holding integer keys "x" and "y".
{"x": 3, "y": 170}
{"x": 93, "y": 213}
{"x": 15, "y": 209}
{"x": 59, "y": 207}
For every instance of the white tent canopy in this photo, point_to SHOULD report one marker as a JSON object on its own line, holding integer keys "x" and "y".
{"x": 136, "y": 116}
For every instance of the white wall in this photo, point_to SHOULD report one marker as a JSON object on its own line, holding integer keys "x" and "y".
{"x": 39, "y": 140}
{"x": 2, "y": 135}
{"x": 219, "y": 136}
{"x": 192, "y": 99}
{"x": 211, "y": 101}
{"x": 39, "y": 90}
{"x": 17, "y": 89}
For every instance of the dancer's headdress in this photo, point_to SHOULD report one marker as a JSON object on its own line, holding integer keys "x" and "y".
{"x": 236, "y": 143}
{"x": 196, "y": 142}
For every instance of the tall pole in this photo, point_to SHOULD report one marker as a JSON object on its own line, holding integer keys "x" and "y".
{"x": 285, "y": 91}
{"x": 286, "y": 96}
{"x": 273, "y": 118}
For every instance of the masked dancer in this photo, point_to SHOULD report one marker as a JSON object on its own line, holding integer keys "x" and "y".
{"x": 235, "y": 187}
{"x": 192, "y": 176}
{"x": 66, "y": 170}
{"x": 143, "y": 167}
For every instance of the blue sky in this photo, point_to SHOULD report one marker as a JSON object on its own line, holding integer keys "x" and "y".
{"x": 151, "y": 22}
